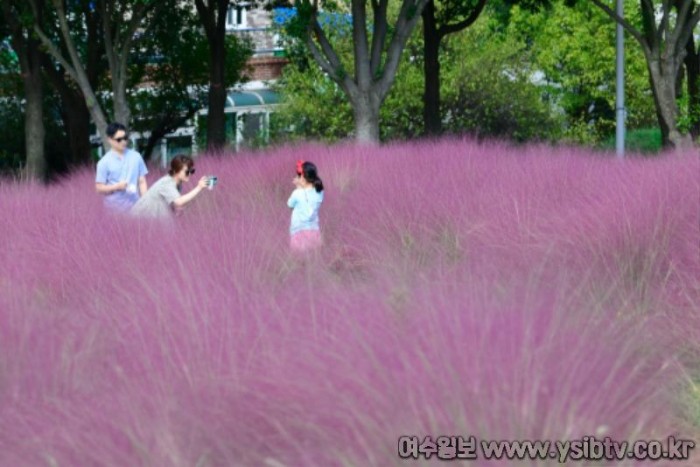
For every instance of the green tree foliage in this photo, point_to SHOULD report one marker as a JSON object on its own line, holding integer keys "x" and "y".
{"x": 123, "y": 25}
{"x": 485, "y": 87}
{"x": 313, "y": 107}
{"x": 174, "y": 61}
{"x": 665, "y": 35}
{"x": 488, "y": 87}
{"x": 574, "y": 49}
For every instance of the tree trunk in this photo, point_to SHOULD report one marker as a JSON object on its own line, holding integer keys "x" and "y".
{"x": 94, "y": 109}
{"x": 431, "y": 49}
{"x": 74, "y": 113}
{"x": 366, "y": 112}
{"x": 27, "y": 50}
{"x": 122, "y": 113}
{"x": 692, "y": 65}
{"x": 98, "y": 117}
{"x": 663, "y": 75}
{"x": 216, "y": 121}
{"x": 34, "y": 115}
{"x": 375, "y": 65}
{"x": 76, "y": 119}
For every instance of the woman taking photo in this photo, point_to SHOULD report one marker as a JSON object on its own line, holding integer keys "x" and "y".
{"x": 164, "y": 197}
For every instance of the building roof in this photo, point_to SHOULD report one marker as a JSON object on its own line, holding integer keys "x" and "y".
{"x": 250, "y": 98}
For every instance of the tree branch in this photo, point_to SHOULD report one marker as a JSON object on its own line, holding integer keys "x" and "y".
{"x": 404, "y": 26}
{"x": 663, "y": 24}
{"x": 378, "y": 35}
{"x": 206, "y": 15}
{"x": 456, "y": 27}
{"x": 94, "y": 49}
{"x": 52, "y": 48}
{"x": 359, "y": 36}
{"x": 681, "y": 25}
{"x": 107, "y": 31}
{"x": 55, "y": 76}
{"x": 625, "y": 24}
{"x": 318, "y": 56}
{"x": 74, "y": 67}
{"x": 653, "y": 35}
{"x": 689, "y": 27}
{"x": 327, "y": 60}
{"x": 326, "y": 47}
{"x": 134, "y": 23}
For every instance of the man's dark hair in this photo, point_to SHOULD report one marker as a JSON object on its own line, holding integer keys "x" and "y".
{"x": 113, "y": 127}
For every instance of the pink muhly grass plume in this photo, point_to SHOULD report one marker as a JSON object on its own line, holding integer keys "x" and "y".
{"x": 462, "y": 289}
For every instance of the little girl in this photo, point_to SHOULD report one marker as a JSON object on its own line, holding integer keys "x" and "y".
{"x": 305, "y": 202}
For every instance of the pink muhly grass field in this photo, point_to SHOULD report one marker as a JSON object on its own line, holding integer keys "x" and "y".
{"x": 462, "y": 289}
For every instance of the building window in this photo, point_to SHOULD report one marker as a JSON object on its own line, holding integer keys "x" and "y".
{"x": 236, "y": 17}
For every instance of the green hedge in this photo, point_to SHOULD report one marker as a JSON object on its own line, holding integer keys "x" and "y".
{"x": 644, "y": 140}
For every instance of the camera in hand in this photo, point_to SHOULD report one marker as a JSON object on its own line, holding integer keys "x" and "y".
{"x": 212, "y": 180}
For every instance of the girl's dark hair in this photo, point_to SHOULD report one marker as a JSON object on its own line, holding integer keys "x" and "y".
{"x": 311, "y": 175}
{"x": 178, "y": 163}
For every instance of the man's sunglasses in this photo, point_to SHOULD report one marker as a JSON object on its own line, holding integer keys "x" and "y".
{"x": 123, "y": 138}
{"x": 189, "y": 172}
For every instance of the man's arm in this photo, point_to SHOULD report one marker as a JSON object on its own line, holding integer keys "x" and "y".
{"x": 143, "y": 186}
{"x": 105, "y": 189}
